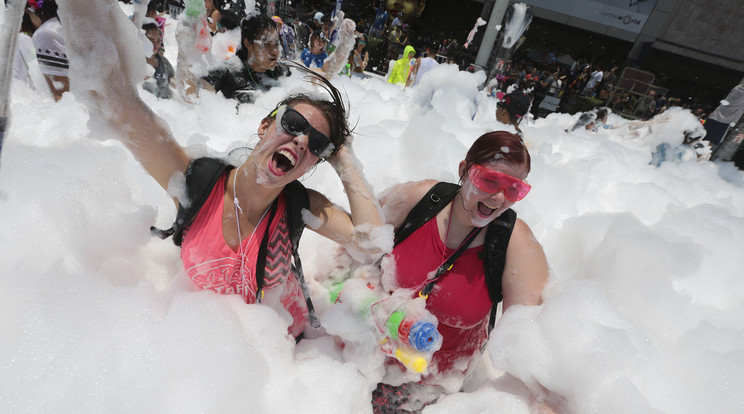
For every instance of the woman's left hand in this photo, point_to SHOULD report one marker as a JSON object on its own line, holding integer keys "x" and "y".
{"x": 343, "y": 157}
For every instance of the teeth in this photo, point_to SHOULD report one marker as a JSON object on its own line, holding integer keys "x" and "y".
{"x": 489, "y": 206}
{"x": 289, "y": 156}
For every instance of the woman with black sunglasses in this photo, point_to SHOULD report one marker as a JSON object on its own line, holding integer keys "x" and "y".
{"x": 241, "y": 238}
{"x": 443, "y": 259}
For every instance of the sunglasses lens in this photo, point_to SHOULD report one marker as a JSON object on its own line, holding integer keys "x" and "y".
{"x": 320, "y": 145}
{"x": 294, "y": 123}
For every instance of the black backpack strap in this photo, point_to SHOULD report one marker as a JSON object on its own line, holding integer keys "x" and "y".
{"x": 262, "y": 251}
{"x": 428, "y": 207}
{"x": 447, "y": 265}
{"x": 297, "y": 199}
{"x": 201, "y": 176}
{"x": 494, "y": 258}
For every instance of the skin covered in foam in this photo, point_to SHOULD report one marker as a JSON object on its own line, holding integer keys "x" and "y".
{"x": 368, "y": 241}
{"x": 469, "y": 197}
{"x": 259, "y": 60}
{"x": 337, "y": 60}
{"x": 97, "y": 82}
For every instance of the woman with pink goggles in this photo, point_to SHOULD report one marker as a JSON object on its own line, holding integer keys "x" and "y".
{"x": 492, "y": 178}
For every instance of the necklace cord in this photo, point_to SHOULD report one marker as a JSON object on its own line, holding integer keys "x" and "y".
{"x": 447, "y": 264}
{"x": 241, "y": 249}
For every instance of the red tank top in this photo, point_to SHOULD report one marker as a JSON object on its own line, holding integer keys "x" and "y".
{"x": 212, "y": 265}
{"x": 459, "y": 299}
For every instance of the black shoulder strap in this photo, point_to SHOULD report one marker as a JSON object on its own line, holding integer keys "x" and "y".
{"x": 298, "y": 199}
{"x": 295, "y": 194}
{"x": 201, "y": 176}
{"x": 432, "y": 203}
{"x": 494, "y": 257}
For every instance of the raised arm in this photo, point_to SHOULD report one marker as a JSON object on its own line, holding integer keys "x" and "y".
{"x": 339, "y": 225}
{"x": 106, "y": 63}
{"x": 337, "y": 60}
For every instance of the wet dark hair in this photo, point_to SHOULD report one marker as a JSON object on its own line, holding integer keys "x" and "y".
{"x": 229, "y": 20}
{"x": 47, "y": 10}
{"x": 150, "y": 26}
{"x": 490, "y": 147}
{"x": 27, "y": 26}
{"x": 315, "y": 36}
{"x": 251, "y": 27}
{"x": 512, "y": 118}
{"x": 334, "y": 109}
{"x": 602, "y": 113}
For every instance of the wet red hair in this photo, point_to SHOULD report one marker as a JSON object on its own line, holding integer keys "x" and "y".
{"x": 498, "y": 145}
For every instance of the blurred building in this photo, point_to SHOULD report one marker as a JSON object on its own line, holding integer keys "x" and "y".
{"x": 693, "y": 46}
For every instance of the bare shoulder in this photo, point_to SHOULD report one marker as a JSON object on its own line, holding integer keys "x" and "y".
{"x": 526, "y": 269}
{"x": 398, "y": 200}
{"x": 522, "y": 233}
{"x": 318, "y": 201}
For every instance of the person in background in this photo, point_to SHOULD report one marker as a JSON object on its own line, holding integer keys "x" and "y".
{"x": 152, "y": 12}
{"x": 594, "y": 79}
{"x": 254, "y": 68}
{"x": 287, "y": 37}
{"x": 556, "y": 83}
{"x": 315, "y": 55}
{"x": 402, "y": 66}
{"x": 25, "y": 55}
{"x": 160, "y": 82}
{"x": 359, "y": 57}
{"x": 50, "y": 50}
{"x": 329, "y": 33}
{"x": 512, "y": 108}
{"x": 421, "y": 66}
{"x": 214, "y": 15}
{"x": 379, "y": 25}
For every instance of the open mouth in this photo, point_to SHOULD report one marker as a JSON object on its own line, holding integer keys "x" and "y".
{"x": 485, "y": 210}
{"x": 283, "y": 161}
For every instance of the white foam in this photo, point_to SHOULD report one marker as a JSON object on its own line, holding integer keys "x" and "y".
{"x": 642, "y": 312}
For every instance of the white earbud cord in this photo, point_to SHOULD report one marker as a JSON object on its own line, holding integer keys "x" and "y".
{"x": 240, "y": 237}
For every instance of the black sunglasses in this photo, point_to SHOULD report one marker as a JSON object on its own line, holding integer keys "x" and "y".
{"x": 294, "y": 123}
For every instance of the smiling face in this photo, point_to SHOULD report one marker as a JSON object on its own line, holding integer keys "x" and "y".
{"x": 264, "y": 51}
{"x": 281, "y": 157}
{"x": 479, "y": 207}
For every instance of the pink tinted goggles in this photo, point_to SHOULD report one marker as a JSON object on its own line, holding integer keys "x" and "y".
{"x": 491, "y": 181}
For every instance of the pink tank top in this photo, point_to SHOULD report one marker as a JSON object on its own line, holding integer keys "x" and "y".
{"x": 459, "y": 299}
{"x": 212, "y": 265}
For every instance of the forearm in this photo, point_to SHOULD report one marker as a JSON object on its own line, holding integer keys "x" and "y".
{"x": 336, "y": 61}
{"x": 362, "y": 232}
{"x": 364, "y": 207}
{"x": 111, "y": 68}
{"x": 56, "y": 87}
